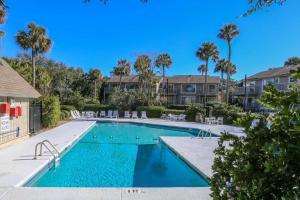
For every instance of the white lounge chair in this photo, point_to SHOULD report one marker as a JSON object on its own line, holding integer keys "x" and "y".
{"x": 127, "y": 114}
{"x": 73, "y": 115}
{"x": 212, "y": 120}
{"x": 134, "y": 115}
{"x": 77, "y": 113}
{"x": 220, "y": 120}
{"x": 144, "y": 115}
{"x": 109, "y": 114}
{"x": 181, "y": 117}
{"x": 207, "y": 120}
{"x": 163, "y": 116}
{"x": 102, "y": 113}
{"x": 116, "y": 114}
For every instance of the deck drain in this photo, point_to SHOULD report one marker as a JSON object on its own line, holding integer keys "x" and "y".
{"x": 134, "y": 191}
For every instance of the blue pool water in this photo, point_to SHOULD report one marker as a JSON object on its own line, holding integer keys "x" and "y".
{"x": 122, "y": 155}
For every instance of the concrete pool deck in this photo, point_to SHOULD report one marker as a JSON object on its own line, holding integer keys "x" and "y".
{"x": 17, "y": 164}
{"x": 197, "y": 152}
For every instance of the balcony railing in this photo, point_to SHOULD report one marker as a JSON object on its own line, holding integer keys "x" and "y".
{"x": 170, "y": 91}
{"x": 251, "y": 90}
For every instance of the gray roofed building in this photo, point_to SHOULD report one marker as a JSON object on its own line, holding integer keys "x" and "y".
{"x": 171, "y": 79}
{"x": 13, "y": 85}
{"x": 15, "y": 96}
{"x": 180, "y": 89}
{"x": 273, "y": 72}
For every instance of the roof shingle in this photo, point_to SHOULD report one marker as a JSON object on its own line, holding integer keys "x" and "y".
{"x": 273, "y": 72}
{"x": 13, "y": 85}
{"x": 171, "y": 79}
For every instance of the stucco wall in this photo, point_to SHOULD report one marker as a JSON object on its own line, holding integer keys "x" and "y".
{"x": 22, "y": 122}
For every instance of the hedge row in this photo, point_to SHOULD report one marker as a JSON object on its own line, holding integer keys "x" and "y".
{"x": 157, "y": 111}
{"x": 51, "y": 113}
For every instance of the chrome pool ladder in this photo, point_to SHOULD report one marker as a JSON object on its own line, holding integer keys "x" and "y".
{"x": 47, "y": 144}
{"x": 204, "y": 134}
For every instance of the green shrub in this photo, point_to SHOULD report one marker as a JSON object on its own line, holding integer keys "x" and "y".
{"x": 77, "y": 100}
{"x": 67, "y": 107}
{"x": 97, "y": 107}
{"x": 230, "y": 113}
{"x": 152, "y": 111}
{"x": 193, "y": 109}
{"x": 174, "y": 112}
{"x": 65, "y": 114}
{"x": 51, "y": 111}
{"x": 178, "y": 107}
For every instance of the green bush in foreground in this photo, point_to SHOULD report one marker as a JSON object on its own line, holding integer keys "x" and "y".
{"x": 265, "y": 163}
{"x": 51, "y": 111}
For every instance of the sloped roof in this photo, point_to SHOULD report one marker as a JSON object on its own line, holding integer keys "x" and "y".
{"x": 171, "y": 79}
{"x": 192, "y": 79}
{"x": 273, "y": 72}
{"x": 13, "y": 85}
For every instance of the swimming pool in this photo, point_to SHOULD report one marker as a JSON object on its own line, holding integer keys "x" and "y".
{"x": 122, "y": 155}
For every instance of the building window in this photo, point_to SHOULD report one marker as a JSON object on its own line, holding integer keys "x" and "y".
{"x": 211, "y": 88}
{"x": 188, "y": 100}
{"x": 188, "y": 88}
{"x": 276, "y": 80}
{"x": 268, "y": 82}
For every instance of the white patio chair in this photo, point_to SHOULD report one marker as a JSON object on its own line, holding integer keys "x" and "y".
{"x": 116, "y": 114}
{"x": 134, "y": 115}
{"x": 102, "y": 113}
{"x": 181, "y": 117}
{"x": 163, "y": 116}
{"x": 126, "y": 114}
{"x": 77, "y": 113}
{"x": 74, "y": 116}
{"x": 109, "y": 114}
{"x": 144, "y": 115}
{"x": 220, "y": 120}
{"x": 207, "y": 120}
{"x": 212, "y": 120}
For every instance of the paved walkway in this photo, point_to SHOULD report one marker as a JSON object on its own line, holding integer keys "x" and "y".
{"x": 17, "y": 164}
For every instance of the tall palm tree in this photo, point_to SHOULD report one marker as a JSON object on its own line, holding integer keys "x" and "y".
{"x": 208, "y": 51}
{"x": 221, "y": 66}
{"x": 143, "y": 68}
{"x": 37, "y": 41}
{"x": 228, "y": 33}
{"x": 122, "y": 69}
{"x": 163, "y": 61}
{"x": 2, "y": 17}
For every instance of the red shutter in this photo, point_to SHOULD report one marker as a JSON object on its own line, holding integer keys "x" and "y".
{"x": 4, "y": 108}
{"x": 19, "y": 110}
{"x": 13, "y": 112}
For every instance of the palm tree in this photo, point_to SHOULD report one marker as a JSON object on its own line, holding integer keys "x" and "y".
{"x": 122, "y": 69}
{"x": 221, "y": 66}
{"x": 228, "y": 33}
{"x": 143, "y": 68}
{"x": 37, "y": 41}
{"x": 206, "y": 52}
{"x": 95, "y": 75}
{"x": 163, "y": 61}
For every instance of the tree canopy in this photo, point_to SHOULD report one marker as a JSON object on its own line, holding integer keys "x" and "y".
{"x": 263, "y": 164}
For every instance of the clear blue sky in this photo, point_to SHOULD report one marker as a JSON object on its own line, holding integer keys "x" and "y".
{"x": 97, "y": 35}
